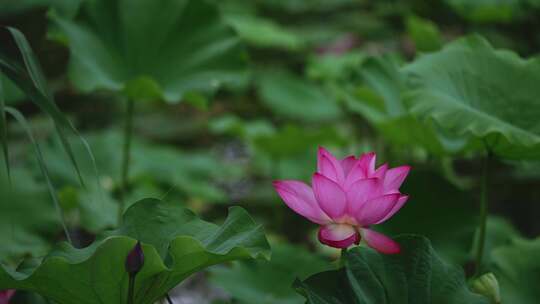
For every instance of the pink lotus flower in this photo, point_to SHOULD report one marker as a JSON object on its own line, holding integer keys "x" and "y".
{"x": 5, "y": 295}
{"x": 347, "y": 198}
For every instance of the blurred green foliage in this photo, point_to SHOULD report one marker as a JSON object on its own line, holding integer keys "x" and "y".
{"x": 234, "y": 94}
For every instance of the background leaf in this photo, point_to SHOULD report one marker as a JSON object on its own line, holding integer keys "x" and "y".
{"x": 380, "y": 102}
{"x": 27, "y": 217}
{"x": 134, "y": 39}
{"x": 435, "y": 213}
{"x": 473, "y": 90}
{"x": 517, "y": 270}
{"x": 269, "y": 282}
{"x": 416, "y": 275}
{"x": 185, "y": 245}
{"x": 289, "y": 96}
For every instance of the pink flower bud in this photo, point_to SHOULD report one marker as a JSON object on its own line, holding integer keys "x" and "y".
{"x": 135, "y": 260}
{"x": 5, "y": 295}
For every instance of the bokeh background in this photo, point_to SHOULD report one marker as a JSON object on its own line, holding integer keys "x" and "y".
{"x": 231, "y": 95}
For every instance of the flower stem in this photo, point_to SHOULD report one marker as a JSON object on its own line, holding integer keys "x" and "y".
{"x": 126, "y": 155}
{"x": 131, "y": 289}
{"x": 483, "y": 213}
{"x": 341, "y": 262}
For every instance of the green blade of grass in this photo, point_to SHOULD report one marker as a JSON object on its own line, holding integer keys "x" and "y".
{"x": 3, "y": 130}
{"x": 24, "y": 82}
{"x": 41, "y": 161}
{"x": 32, "y": 81}
{"x": 40, "y": 93}
{"x": 31, "y": 62}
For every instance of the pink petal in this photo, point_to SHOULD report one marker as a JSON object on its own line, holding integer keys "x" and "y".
{"x": 347, "y": 163}
{"x": 401, "y": 201}
{"x": 5, "y": 295}
{"x": 299, "y": 197}
{"x": 368, "y": 160}
{"x": 363, "y": 168}
{"x": 380, "y": 242}
{"x": 380, "y": 172}
{"x": 395, "y": 177}
{"x": 376, "y": 209}
{"x": 338, "y": 235}
{"x": 329, "y": 195}
{"x": 329, "y": 166}
{"x": 361, "y": 191}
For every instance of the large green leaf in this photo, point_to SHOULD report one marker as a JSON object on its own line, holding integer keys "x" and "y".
{"x": 163, "y": 48}
{"x": 487, "y": 95}
{"x": 175, "y": 243}
{"x": 292, "y": 97}
{"x": 416, "y": 275}
{"x": 517, "y": 269}
{"x": 379, "y": 100}
{"x": 269, "y": 282}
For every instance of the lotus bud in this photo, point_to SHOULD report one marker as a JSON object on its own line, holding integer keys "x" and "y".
{"x": 135, "y": 260}
{"x": 487, "y": 285}
{"x": 5, "y": 295}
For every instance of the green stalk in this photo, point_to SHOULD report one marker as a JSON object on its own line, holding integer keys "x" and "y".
{"x": 341, "y": 262}
{"x": 483, "y": 212}
{"x": 126, "y": 155}
{"x": 131, "y": 288}
{"x": 41, "y": 162}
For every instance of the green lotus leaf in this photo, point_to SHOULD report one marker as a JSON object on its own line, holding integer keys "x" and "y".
{"x": 168, "y": 47}
{"x": 176, "y": 244}
{"x": 380, "y": 102}
{"x": 290, "y": 96}
{"x": 416, "y": 275}
{"x": 517, "y": 269}
{"x": 487, "y": 95}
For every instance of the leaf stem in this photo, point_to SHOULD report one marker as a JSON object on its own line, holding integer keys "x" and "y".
{"x": 169, "y": 300}
{"x": 483, "y": 212}
{"x": 341, "y": 262}
{"x": 131, "y": 289}
{"x": 126, "y": 155}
